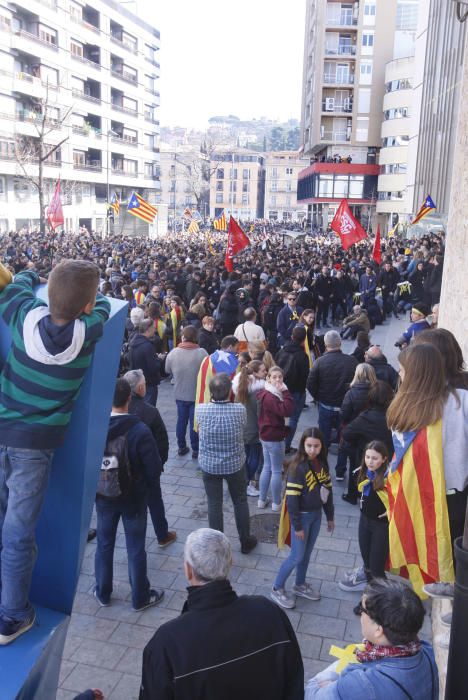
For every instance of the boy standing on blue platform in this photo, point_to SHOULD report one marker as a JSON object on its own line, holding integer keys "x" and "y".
{"x": 52, "y": 347}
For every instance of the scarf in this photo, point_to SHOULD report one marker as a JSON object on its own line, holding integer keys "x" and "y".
{"x": 160, "y": 328}
{"x": 187, "y": 345}
{"x": 374, "y": 652}
{"x": 366, "y": 491}
{"x": 176, "y": 317}
{"x": 273, "y": 390}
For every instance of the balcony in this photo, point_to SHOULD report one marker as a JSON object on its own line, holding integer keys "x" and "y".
{"x": 89, "y": 165}
{"x": 31, "y": 117}
{"x": 125, "y": 110}
{"x": 122, "y": 38}
{"x": 123, "y": 173}
{"x": 35, "y": 37}
{"x": 337, "y": 79}
{"x": 335, "y": 136}
{"x": 344, "y": 19}
{"x": 124, "y": 75}
{"x": 340, "y": 50}
{"x": 127, "y": 140}
{"x": 87, "y": 61}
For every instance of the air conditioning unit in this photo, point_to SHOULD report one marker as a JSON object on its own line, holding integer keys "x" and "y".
{"x": 329, "y": 104}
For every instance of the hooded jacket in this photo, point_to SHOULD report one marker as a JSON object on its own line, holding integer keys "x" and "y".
{"x": 45, "y": 367}
{"x": 142, "y": 452}
{"x": 143, "y": 356}
{"x": 273, "y": 411}
{"x": 293, "y": 360}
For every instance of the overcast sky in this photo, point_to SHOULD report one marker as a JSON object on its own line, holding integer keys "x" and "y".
{"x": 241, "y": 57}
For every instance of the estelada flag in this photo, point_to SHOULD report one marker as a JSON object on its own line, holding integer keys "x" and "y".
{"x": 237, "y": 241}
{"x": 219, "y": 361}
{"x": 419, "y": 530}
{"x": 376, "y": 251}
{"x": 284, "y": 530}
{"x": 425, "y": 209}
{"x": 54, "y": 210}
{"x": 346, "y": 226}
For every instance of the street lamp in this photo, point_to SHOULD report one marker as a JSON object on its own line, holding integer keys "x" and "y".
{"x": 110, "y": 132}
{"x": 462, "y": 13}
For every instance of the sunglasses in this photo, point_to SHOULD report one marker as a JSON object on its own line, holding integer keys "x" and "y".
{"x": 360, "y": 609}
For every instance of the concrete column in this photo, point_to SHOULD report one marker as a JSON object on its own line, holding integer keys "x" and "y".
{"x": 454, "y": 299}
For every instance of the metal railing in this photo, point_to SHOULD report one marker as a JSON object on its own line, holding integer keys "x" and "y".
{"x": 125, "y": 110}
{"x": 91, "y": 166}
{"x": 85, "y": 24}
{"x": 128, "y": 77}
{"x": 85, "y": 96}
{"x": 340, "y": 50}
{"x": 124, "y": 44}
{"x": 335, "y": 136}
{"x": 35, "y": 37}
{"x": 86, "y": 130}
{"x": 333, "y": 79}
{"x": 87, "y": 61}
{"x": 344, "y": 20}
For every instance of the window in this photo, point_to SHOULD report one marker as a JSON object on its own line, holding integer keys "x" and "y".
{"x": 245, "y": 187}
{"x": 150, "y": 53}
{"x": 76, "y": 48}
{"x": 273, "y": 201}
{"x": 245, "y": 174}
{"x": 365, "y": 73}
{"x": 130, "y": 135}
{"x": 150, "y": 83}
{"x": 288, "y": 186}
{"x": 233, "y": 173}
{"x": 274, "y": 186}
{"x": 393, "y": 168}
{"x": 173, "y": 186}
{"x": 149, "y": 113}
{"x": 395, "y": 141}
{"x": 47, "y": 34}
{"x": 220, "y": 174}
{"x": 219, "y": 197}
{"x": 362, "y": 129}
{"x": 2, "y": 186}
{"x": 76, "y": 11}
{"x": 130, "y": 166}
{"x": 219, "y": 186}
{"x": 340, "y": 186}
{"x": 274, "y": 172}
{"x": 367, "y": 43}
{"x": 397, "y": 113}
{"x": 402, "y": 84}
{"x": 245, "y": 198}
{"x": 149, "y": 170}
{"x": 130, "y": 104}
{"x": 49, "y": 76}
{"x": 369, "y": 9}
{"x": 407, "y": 15}
{"x": 364, "y": 96}
{"x": 289, "y": 171}
{"x": 172, "y": 171}
{"x": 325, "y": 186}
{"x": 79, "y": 158}
{"x": 356, "y": 186}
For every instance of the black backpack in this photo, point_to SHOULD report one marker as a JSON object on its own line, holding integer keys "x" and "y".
{"x": 125, "y": 359}
{"x": 115, "y": 476}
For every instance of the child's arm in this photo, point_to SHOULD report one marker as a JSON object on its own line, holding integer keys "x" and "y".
{"x": 95, "y": 320}
{"x": 18, "y": 293}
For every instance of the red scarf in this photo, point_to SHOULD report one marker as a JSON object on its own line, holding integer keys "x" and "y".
{"x": 373, "y": 652}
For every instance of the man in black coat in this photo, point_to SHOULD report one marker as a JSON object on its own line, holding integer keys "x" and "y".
{"x": 142, "y": 355}
{"x": 294, "y": 362}
{"x": 388, "y": 280}
{"x": 223, "y": 646}
{"x": 383, "y": 370}
{"x": 324, "y": 291}
{"x": 152, "y": 418}
{"x": 328, "y": 381}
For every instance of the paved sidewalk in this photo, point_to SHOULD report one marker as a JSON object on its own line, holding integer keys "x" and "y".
{"x": 104, "y": 645}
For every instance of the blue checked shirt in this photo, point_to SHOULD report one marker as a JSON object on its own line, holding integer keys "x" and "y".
{"x": 221, "y": 431}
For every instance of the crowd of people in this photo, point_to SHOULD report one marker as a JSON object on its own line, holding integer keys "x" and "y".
{"x": 245, "y": 353}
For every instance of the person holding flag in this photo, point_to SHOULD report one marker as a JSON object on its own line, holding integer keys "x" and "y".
{"x": 347, "y": 226}
{"x": 237, "y": 241}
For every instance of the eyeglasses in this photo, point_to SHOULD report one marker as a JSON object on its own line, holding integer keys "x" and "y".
{"x": 360, "y": 609}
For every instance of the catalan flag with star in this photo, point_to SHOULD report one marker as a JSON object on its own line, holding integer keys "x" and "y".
{"x": 427, "y": 207}
{"x": 115, "y": 204}
{"x": 220, "y": 223}
{"x": 141, "y": 208}
{"x": 419, "y": 531}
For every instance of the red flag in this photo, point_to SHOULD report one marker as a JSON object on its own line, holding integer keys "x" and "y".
{"x": 376, "y": 251}
{"x": 237, "y": 241}
{"x": 346, "y": 226}
{"x": 54, "y": 210}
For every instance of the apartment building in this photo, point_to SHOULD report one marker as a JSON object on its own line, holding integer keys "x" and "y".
{"x": 347, "y": 46}
{"x": 281, "y": 174}
{"x": 92, "y": 69}
{"x": 237, "y": 183}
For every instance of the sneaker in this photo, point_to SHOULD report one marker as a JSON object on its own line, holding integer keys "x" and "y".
{"x": 276, "y": 507}
{"x": 306, "y": 591}
{"x": 91, "y": 535}
{"x": 102, "y": 603}
{"x": 439, "y": 590}
{"x": 248, "y": 544}
{"x": 169, "y": 539}
{"x": 252, "y": 491}
{"x": 357, "y": 581}
{"x": 155, "y": 597}
{"x": 339, "y": 477}
{"x": 280, "y": 597}
{"x": 183, "y": 451}
{"x": 11, "y": 629}
{"x": 349, "y": 499}
{"x": 446, "y": 619}
{"x": 194, "y": 454}
{"x": 262, "y": 504}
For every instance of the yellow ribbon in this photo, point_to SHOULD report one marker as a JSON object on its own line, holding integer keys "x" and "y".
{"x": 346, "y": 656}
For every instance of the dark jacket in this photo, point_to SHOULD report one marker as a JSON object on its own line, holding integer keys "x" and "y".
{"x": 224, "y": 647}
{"x": 286, "y": 320}
{"x": 143, "y": 356}
{"x": 228, "y": 310}
{"x": 152, "y": 418}
{"x": 384, "y": 371}
{"x": 294, "y": 362}
{"x": 330, "y": 377}
{"x": 208, "y": 341}
{"x": 369, "y": 425}
{"x": 142, "y": 453}
{"x": 354, "y": 401}
{"x": 272, "y": 413}
{"x": 389, "y": 280}
{"x": 303, "y": 491}
{"x": 324, "y": 286}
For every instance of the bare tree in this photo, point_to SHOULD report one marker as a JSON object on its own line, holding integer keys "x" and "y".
{"x": 32, "y": 152}
{"x": 199, "y": 166}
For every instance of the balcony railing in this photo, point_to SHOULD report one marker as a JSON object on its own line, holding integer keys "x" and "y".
{"x": 124, "y": 44}
{"x": 85, "y": 24}
{"x": 335, "y": 136}
{"x": 86, "y": 131}
{"x": 343, "y": 20}
{"x": 93, "y": 166}
{"x": 36, "y": 37}
{"x": 333, "y": 79}
{"x": 343, "y": 108}
{"x": 340, "y": 50}
{"x": 84, "y": 96}
{"x": 130, "y": 140}
{"x": 125, "y": 110}
{"x": 124, "y": 173}
{"x": 87, "y": 61}
{"x": 32, "y": 118}
{"x": 123, "y": 75}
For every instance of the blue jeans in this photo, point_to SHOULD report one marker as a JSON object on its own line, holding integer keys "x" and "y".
{"x": 253, "y": 453}
{"x": 300, "y": 549}
{"x": 157, "y": 512}
{"x": 134, "y": 518}
{"x": 151, "y": 395}
{"x": 299, "y": 401}
{"x": 186, "y": 416}
{"x": 273, "y": 456}
{"x": 328, "y": 420}
{"x": 24, "y": 475}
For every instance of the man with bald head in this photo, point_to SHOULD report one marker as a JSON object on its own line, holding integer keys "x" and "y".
{"x": 384, "y": 371}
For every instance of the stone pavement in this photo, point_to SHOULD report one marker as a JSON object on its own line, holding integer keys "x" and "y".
{"x": 104, "y": 645}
